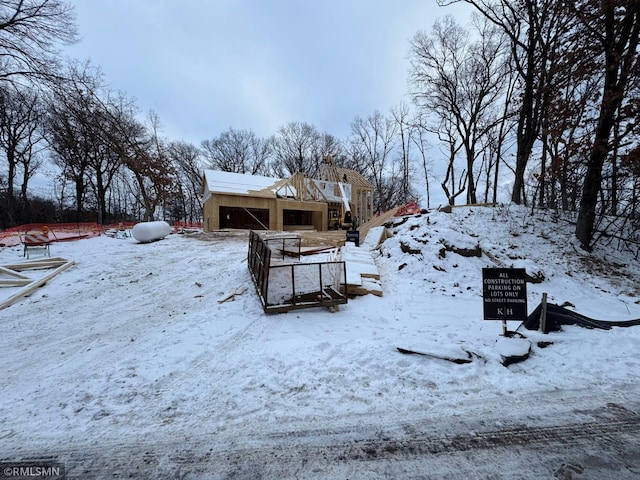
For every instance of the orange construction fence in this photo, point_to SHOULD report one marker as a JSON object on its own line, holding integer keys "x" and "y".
{"x": 56, "y": 231}
{"x": 187, "y": 225}
{"x": 410, "y": 208}
{"x": 59, "y": 232}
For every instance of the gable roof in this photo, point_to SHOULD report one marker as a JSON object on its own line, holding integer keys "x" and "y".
{"x": 346, "y": 175}
{"x": 238, "y": 183}
{"x": 230, "y": 183}
{"x": 354, "y": 178}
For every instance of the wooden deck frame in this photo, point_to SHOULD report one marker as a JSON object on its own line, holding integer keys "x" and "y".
{"x": 29, "y": 285}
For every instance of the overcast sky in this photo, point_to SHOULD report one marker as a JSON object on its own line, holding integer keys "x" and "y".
{"x": 209, "y": 65}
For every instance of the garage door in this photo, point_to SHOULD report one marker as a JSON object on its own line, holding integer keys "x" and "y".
{"x": 245, "y": 218}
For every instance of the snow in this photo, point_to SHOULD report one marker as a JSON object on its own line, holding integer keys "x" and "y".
{"x": 236, "y": 183}
{"x": 328, "y": 190}
{"x": 131, "y": 346}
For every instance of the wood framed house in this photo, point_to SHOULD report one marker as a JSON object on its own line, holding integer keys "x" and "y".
{"x": 360, "y": 192}
{"x": 235, "y": 200}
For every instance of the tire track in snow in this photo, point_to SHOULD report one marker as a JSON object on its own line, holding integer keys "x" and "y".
{"x": 551, "y": 449}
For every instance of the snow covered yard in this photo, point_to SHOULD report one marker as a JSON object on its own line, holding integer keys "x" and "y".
{"x": 130, "y": 344}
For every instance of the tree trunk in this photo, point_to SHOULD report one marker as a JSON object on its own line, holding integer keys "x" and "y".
{"x": 620, "y": 45}
{"x": 526, "y": 137}
{"x": 528, "y": 118}
{"x": 471, "y": 185}
{"x": 79, "y": 200}
{"x": 589, "y": 199}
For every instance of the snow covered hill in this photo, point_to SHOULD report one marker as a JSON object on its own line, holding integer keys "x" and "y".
{"x": 512, "y": 237}
{"x": 130, "y": 347}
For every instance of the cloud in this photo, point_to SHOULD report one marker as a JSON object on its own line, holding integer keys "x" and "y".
{"x": 207, "y": 65}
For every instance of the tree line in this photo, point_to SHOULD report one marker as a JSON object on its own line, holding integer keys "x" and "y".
{"x": 555, "y": 84}
{"x": 113, "y": 163}
{"x": 540, "y": 97}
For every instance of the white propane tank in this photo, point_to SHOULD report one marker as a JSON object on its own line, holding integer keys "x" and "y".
{"x": 150, "y": 231}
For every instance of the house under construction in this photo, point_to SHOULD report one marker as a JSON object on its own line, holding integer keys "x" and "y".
{"x": 234, "y": 200}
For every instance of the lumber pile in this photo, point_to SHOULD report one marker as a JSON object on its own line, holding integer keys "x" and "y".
{"x": 377, "y": 222}
{"x": 410, "y": 208}
{"x": 11, "y": 275}
{"x": 332, "y": 238}
{"x": 363, "y": 277}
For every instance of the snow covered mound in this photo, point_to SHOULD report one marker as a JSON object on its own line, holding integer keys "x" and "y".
{"x": 449, "y": 250}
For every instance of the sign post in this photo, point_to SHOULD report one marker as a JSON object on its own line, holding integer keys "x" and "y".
{"x": 504, "y": 294}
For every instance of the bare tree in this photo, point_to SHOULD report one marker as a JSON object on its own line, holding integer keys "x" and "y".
{"x": 239, "y": 151}
{"x": 452, "y": 184}
{"x": 405, "y": 131}
{"x": 21, "y": 140}
{"x": 524, "y": 22}
{"x": 81, "y": 131}
{"x": 96, "y": 134}
{"x": 145, "y": 154}
{"x": 328, "y": 145}
{"x": 421, "y": 142}
{"x": 30, "y": 32}
{"x": 104, "y": 160}
{"x": 68, "y": 129}
{"x": 371, "y": 146}
{"x": 615, "y": 24}
{"x": 186, "y": 159}
{"x": 459, "y": 82}
{"x": 572, "y": 83}
{"x": 297, "y": 148}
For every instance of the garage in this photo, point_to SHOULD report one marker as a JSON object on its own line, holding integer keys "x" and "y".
{"x": 245, "y": 218}
{"x": 297, "y": 220}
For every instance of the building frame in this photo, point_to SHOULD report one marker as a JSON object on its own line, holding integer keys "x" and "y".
{"x": 242, "y": 201}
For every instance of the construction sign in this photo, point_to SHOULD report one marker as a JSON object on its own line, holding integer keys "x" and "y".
{"x": 504, "y": 293}
{"x": 353, "y": 236}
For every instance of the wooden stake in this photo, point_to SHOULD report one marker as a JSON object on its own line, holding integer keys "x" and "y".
{"x": 543, "y": 313}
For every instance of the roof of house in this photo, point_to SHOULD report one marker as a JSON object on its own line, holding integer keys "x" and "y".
{"x": 354, "y": 178}
{"x": 216, "y": 181}
{"x": 346, "y": 175}
{"x": 239, "y": 183}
